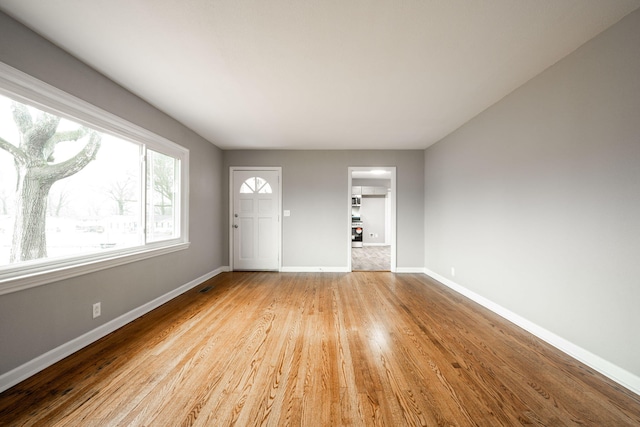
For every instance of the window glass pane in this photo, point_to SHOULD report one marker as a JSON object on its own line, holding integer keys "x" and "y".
{"x": 244, "y": 188}
{"x": 255, "y": 184}
{"x": 162, "y": 203}
{"x": 249, "y": 185}
{"x": 64, "y": 189}
{"x": 265, "y": 188}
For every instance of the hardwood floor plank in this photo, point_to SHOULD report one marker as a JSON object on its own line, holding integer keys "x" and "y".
{"x": 359, "y": 349}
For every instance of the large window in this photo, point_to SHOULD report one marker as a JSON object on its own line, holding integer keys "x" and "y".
{"x": 80, "y": 189}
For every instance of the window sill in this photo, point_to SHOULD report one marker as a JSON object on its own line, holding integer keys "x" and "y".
{"x": 53, "y": 273}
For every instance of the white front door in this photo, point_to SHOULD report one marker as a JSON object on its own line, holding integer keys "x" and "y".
{"x": 255, "y": 219}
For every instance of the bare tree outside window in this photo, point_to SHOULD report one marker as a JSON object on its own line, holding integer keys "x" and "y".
{"x": 37, "y": 170}
{"x": 4, "y": 202}
{"x": 161, "y": 180}
{"x": 70, "y": 193}
{"x": 58, "y": 180}
{"x": 58, "y": 201}
{"x": 123, "y": 192}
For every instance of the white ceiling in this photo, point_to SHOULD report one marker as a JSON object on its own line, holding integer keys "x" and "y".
{"x": 320, "y": 74}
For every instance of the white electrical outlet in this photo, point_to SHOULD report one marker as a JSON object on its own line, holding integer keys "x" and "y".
{"x": 453, "y": 272}
{"x": 96, "y": 310}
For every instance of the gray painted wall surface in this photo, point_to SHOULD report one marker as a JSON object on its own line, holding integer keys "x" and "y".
{"x": 373, "y": 208}
{"x": 373, "y": 216}
{"x": 315, "y": 190}
{"x": 37, "y": 320}
{"x": 536, "y": 202}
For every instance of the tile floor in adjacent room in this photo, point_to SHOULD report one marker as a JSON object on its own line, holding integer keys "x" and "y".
{"x": 371, "y": 258}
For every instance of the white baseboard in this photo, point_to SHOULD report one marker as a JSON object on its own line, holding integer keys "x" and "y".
{"x": 342, "y": 270}
{"x": 606, "y": 368}
{"x": 314, "y": 270}
{"x": 13, "y": 377}
{"x": 610, "y": 370}
{"x": 409, "y": 270}
{"x": 375, "y": 244}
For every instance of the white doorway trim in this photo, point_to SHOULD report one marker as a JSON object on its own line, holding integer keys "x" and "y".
{"x": 231, "y": 205}
{"x": 392, "y": 197}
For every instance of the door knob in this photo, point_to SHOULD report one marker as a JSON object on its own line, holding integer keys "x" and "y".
{"x": 235, "y": 225}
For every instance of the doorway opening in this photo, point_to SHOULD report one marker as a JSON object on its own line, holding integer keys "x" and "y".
{"x": 372, "y": 219}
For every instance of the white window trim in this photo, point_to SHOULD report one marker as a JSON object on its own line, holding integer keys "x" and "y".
{"x": 25, "y": 88}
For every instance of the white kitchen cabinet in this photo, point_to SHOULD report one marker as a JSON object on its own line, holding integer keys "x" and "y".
{"x": 368, "y": 191}
{"x": 373, "y": 191}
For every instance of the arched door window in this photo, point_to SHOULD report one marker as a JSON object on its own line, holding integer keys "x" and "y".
{"x": 255, "y": 184}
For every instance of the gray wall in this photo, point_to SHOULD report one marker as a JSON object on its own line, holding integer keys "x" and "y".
{"x": 37, "y": 320}
{"x": 373, "y": 209}
{"x": 536, "y": 202}
{"x": 373, "y": 217}
{"x": 315, "y": 190}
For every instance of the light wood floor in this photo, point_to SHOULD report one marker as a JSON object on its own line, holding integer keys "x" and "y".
{"x": 319, "y": 350}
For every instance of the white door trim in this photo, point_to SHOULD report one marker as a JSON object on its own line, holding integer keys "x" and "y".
{"x": 231, "y": 204}
{"x": 392, "y": 197}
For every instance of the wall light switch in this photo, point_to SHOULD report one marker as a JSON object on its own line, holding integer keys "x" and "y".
{"x": 287, "y": 213}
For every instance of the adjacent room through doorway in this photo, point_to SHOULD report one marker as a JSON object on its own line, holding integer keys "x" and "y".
{"x": 372, "y": 219}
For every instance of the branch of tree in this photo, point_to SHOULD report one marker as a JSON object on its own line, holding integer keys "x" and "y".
{"x": 40, "y": 134}
{"x": 70, "y": 135}
{"x": 69, "y": 167}
{"x": 21, "y": 117}
{"x": 16, "y": 152}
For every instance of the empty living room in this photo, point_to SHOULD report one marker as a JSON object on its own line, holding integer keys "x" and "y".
{"x": 185, "y": 189}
